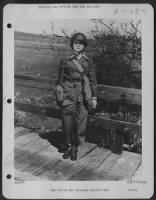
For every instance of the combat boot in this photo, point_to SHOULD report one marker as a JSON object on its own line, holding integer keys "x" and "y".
{"x": 62, "y": 148}
{"x": 67, "y": 152}
{"x": 73, "y": 155}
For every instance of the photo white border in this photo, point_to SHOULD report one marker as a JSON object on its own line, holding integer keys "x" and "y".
{"x": 117, "y": 189}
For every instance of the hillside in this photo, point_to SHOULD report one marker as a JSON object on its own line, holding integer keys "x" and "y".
{"x": 37, "y": 37}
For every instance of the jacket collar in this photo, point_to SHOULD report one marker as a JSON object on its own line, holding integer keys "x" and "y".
{"x": 79, "y": 56}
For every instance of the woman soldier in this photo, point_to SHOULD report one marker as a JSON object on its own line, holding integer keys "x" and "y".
{"x": 70, "y": 94}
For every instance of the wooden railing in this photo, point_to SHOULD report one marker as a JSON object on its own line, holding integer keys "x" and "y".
{"x": 102, "y": 122}
{"x": 108, "y": 93}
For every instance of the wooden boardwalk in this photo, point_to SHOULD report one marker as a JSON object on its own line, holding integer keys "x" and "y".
{"x": 37, "y": 159}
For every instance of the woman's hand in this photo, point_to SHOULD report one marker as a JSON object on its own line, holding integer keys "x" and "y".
{"x": 59, "y": 94}
{"x": 94, "y": 102}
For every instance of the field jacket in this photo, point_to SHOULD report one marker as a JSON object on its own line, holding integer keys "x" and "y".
{"x": 71, "y": 80}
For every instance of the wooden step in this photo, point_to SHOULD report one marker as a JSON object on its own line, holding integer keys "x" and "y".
{"x": 38, "y": 161}
{"x": 26, "y": 139}
{"x": 126, "y": 165}
{"x": 65, "y": 168}
{"x": 93, "y": 174}
{"x": 24, "y": 176}
{"x": 19, "y": 131}
{"x": 138, "y": 172}
{"x": 91, "y": 162}
{"x": 25, "y": 155}
{"x": 123, "y": 168}
{"x": 108, "y": 163}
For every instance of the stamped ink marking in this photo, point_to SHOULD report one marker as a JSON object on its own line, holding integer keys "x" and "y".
{"x": 124, "y": 11}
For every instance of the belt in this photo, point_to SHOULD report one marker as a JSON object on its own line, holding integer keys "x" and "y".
{"x": 73, "y": 80}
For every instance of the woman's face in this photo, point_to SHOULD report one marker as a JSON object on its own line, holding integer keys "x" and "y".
{"x": 78, "y": 46}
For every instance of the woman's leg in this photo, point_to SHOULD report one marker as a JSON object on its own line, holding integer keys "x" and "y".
{"x": 69, "y": 125}
{"x": 78, "y": 135}
{"x": 81, "y": 119}
{"x": 74, "y": 126}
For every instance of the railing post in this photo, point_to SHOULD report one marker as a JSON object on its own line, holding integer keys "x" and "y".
{"x": 116, "y": 145}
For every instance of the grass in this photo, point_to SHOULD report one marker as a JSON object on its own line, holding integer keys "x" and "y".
{"x": 33, "y": 57}
{"x": 36, "y": 61}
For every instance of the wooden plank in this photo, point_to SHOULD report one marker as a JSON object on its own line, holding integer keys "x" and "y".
{"x": 85, "y": 149}
{"x": 24, "y": 176}
{"x": 138, "y": 172}
{"x": 92, "y": 175}
{"x": 35, "y": 84}
{"x": 126, "y": 165}
{"x": 18, "y": 129}
{"x": 35, "y": 87}
{"x": 21, "y": 131}
{"x": 115, "y": 124}
{"x": 30, "y": 147}
{"x": 22, "y": 154}
{"x": 123, "y": 169}
{"x": 95, "y": 121}
{"x": 95, "y": 157}
{"x": 49, "y": 112}
{"x": 109, "y": 93}
{"x": 91, "y": 163}
{"x": 108, "y": 163}
{"x": 46, "y": 171}
{"x": 34, "y": 78}
{"x": 41, "y": 158}
{"x": 39, "y": 162}
{"x": 65, "y": 168}
{"x": 23, "y": 164}
{"x": 26, "y": 139}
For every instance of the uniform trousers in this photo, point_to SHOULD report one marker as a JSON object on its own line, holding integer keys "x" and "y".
{"x": 74, "y": 121}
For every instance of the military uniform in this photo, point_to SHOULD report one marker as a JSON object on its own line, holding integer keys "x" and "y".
{"x": 74, "y": 108}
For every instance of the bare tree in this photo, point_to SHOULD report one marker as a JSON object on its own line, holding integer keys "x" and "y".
{"x": 125, "y": 33}
{"x": 117, "y": 47}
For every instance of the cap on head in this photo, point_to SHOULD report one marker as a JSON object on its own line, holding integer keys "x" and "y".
{"x": 80, "y": 37}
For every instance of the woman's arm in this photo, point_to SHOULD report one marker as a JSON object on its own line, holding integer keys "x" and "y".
{"x": 59, "y": 88}
{"x": 93, "y": 83}
{"x": 61, "y": 73}
{"x": 92, "y": 78}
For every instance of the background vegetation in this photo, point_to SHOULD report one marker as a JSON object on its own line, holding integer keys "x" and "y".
{"x": 114, "y": 47}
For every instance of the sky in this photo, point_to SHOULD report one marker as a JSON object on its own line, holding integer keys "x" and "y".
{"x": 38, "y": 26}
